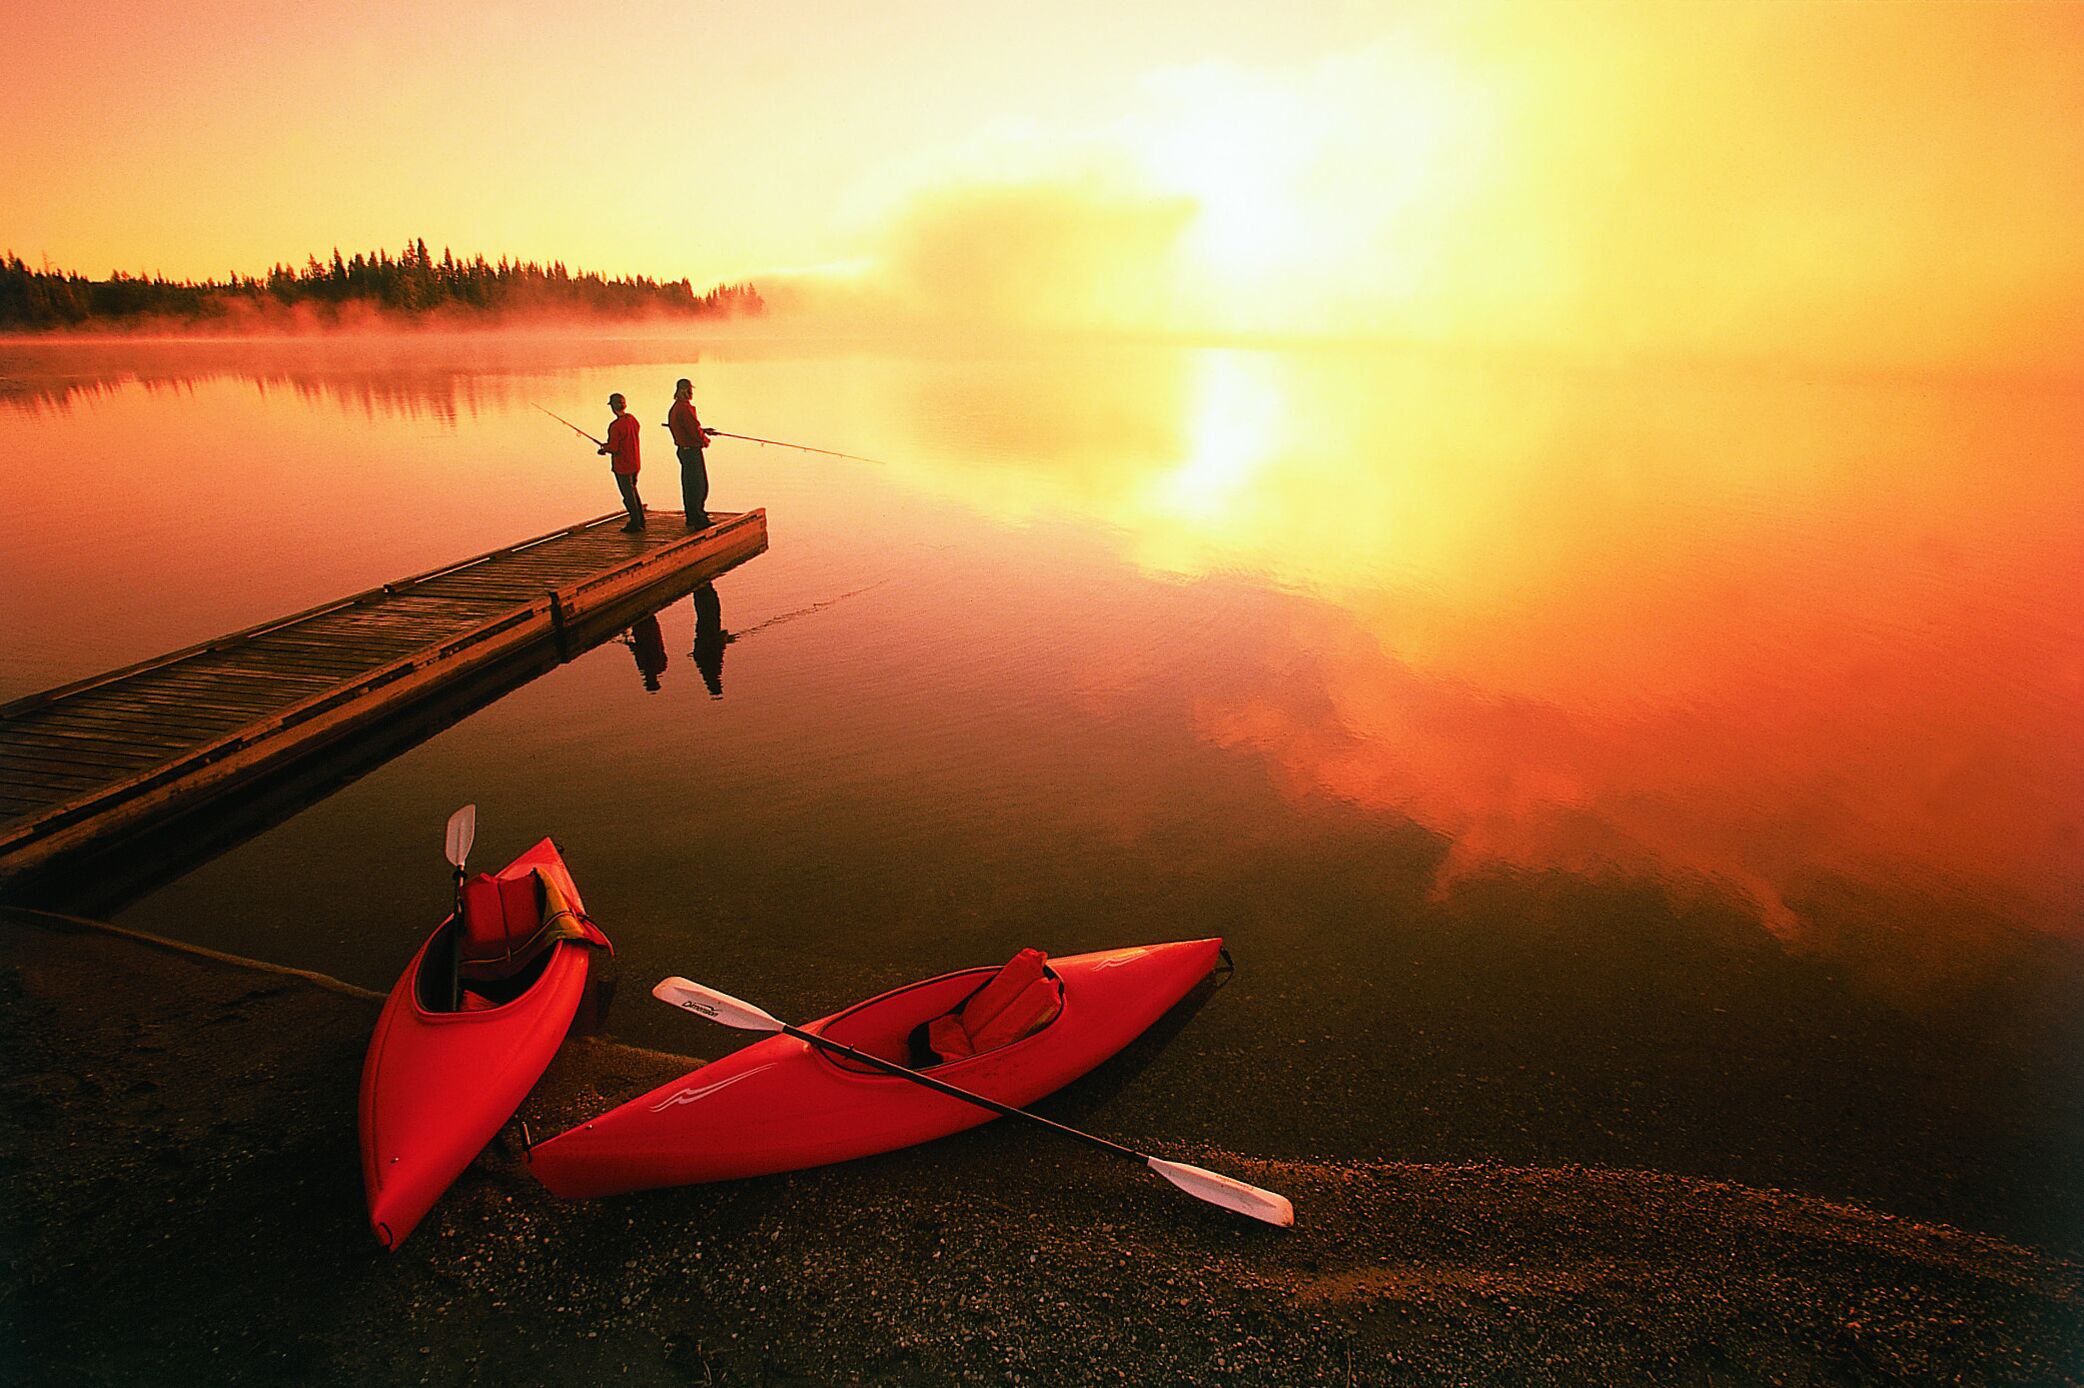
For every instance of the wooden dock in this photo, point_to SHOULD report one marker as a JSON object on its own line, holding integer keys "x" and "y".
{"x": 88, "y": 763}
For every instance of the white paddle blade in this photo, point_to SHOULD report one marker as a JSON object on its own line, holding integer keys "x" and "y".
{"x": 717, "y": 1007}
{"x": 1262, "y": 1205}
{"x": 463, "y": 831}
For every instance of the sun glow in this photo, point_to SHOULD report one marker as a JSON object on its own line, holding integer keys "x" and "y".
{"x": 1235, "y": 154}
{"x": 1236, "y": 418}
{"x": 1301, "y": 185}
{"x": 1523, "y": 178}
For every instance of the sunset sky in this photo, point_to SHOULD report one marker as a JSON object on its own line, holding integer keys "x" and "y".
{"x": 1867, "y": 180}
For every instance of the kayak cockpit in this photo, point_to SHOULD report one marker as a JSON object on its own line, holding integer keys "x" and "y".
{"x": 952, "y": 1018}
{"x": 504, "y": 937}
{"x": 437, "y": 988}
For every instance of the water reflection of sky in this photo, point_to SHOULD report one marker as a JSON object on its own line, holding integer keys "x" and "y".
{"x": 1772, "y": 632}
{"x": 1769, "y": 633}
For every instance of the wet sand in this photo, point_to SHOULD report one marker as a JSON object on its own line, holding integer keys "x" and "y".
{"x": 184, "y": 1204}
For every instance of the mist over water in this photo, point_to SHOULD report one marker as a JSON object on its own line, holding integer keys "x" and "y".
{"x": 1670, "y": 769}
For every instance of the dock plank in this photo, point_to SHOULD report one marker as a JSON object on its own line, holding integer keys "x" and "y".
{"x": 63, "y": 731}
{"x": 328, "y": 665}
{"x": 172, "y": 724}
{"x": 20, "y": 752}
{"x": 215, "y": 676}
{"x": 85, "y": 753}
{"x": 40, "y": 780}
{"x": 199, "y": 698}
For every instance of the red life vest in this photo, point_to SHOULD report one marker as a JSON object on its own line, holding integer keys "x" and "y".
{"x": 509, "y": 920}
{"x": 502, "y": 919}
{"x": 1018, "y": 1001}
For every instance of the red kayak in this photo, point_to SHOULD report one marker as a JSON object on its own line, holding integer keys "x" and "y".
{"x": 467, "y": 1032}
{"x": 781, "y": 1104}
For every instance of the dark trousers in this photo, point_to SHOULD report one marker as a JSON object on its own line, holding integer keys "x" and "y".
{"x": 626, "y": 482}
{"x": 694, "y": 483}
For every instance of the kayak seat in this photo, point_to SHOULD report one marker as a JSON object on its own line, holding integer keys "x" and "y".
{"x": 1016, "y": 1002}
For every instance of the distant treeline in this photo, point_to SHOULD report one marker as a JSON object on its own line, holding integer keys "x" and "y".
{"x": 412, "y": 282}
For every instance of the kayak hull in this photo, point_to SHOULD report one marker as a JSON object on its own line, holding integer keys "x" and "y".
{"x": 438, "y": 1085}
{"x": 781, "y": 1104}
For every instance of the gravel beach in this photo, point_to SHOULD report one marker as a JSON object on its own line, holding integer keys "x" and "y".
{"x": 184, "y": 1205}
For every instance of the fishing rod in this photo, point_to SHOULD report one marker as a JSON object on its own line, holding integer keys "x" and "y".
{"x": 799, "y": 447}
{"x": 722, "y": 434}
{"x": 571, "y": 426}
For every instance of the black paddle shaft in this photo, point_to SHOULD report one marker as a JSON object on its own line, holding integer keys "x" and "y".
{"x": 891, "y": 1067}
{"x": 456, "y": 947}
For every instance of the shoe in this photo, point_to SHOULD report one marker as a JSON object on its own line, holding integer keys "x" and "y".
{"x": 698, "y": 523}
{"x": 628, "y": 526}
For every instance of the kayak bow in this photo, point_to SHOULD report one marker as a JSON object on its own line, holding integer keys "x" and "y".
{"x": 439, "y": 1081}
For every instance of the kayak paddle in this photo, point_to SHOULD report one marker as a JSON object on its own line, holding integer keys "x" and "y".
{"x": 1231, "y": 1194}
{"x": 463, "y": 832}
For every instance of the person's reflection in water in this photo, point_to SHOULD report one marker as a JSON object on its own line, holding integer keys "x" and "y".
{"x": 710, "y": 639}
{"x": 648, "y": 644}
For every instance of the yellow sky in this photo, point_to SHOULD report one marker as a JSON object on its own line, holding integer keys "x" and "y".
{"x": 1897, "y": 180}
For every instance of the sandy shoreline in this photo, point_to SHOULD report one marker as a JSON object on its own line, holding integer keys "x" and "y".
{"x": 184, "y": 1204}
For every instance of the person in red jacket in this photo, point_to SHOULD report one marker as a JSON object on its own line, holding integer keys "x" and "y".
{"x": 621, "y": 451}
{"x": 689, "y": 439}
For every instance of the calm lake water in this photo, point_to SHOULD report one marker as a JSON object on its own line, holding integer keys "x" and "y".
{"x": 1673, "y": 768}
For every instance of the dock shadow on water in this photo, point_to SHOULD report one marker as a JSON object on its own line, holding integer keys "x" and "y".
{"x": 103, "y": 880}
